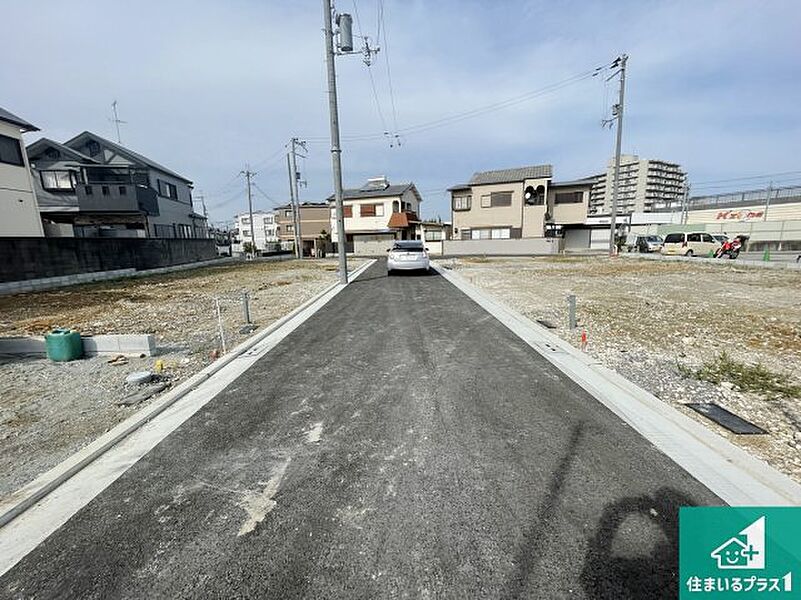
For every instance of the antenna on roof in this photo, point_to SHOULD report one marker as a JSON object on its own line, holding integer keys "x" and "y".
{"x": 116, "y": 121}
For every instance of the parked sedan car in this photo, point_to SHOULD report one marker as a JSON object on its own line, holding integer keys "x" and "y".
{"x": 690, "y": 244}
{"x": 407, "y": 256}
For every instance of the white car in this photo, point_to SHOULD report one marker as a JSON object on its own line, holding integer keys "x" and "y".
{"x": 407, "y": 256}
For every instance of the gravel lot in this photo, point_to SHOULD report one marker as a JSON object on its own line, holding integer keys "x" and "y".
{"x": 50, "y": 410}
{"x": 652, "y": 321}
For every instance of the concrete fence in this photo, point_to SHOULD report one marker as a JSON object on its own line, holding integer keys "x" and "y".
{"x": 24, "y": 259}
{"x": 516, "y": 247}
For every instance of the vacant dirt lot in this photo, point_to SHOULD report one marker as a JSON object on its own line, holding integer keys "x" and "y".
{"x": 657, "y": 323}
{"x": 50, "y": 410}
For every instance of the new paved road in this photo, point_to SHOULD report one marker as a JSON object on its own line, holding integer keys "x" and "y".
{"x": 400, "y": 443}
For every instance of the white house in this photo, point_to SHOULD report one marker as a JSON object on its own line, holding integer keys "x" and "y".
{"x": 376, "y": 214}
{"x": 17, "y": 199}
{"x": 264, "y": 234}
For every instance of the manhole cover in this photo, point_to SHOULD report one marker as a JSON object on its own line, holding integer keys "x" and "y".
{"x": 725, "y": 418}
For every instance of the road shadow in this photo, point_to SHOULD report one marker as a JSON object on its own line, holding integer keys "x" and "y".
{"x": 534, "y": 542}
{"x": 606, "y": 575}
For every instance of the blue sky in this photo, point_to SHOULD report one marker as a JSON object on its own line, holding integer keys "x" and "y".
{"x": 207, "y": 87}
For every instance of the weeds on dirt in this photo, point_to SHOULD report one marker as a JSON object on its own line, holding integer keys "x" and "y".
{"x": 748, "y": 378}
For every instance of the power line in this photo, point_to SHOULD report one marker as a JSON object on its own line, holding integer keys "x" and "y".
{"x": 370, "y": 72}
{"x": 750, "y": 178}
{"x": 456, "y": 117}
{"x": 273, "y": 201}
{"x": 386, "y": 61}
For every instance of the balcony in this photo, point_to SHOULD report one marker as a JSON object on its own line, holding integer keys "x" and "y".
{"x": 116, "y": 198}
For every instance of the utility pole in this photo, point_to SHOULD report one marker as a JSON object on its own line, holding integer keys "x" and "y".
{"x": 248, "y": 175}
{"x": 293, "y": 204}
{"x": 617, "y": 112}
{"x": 767, "y": 201}
{"x": 685, "y": 204}
{"x": 336, "y": 150}
{"x": 295, "y": 194}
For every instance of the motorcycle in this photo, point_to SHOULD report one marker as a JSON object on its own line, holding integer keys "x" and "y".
{"x": 731, "y": 248}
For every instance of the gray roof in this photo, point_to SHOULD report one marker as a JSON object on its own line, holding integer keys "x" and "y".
{"x": 15, "y": 120}
{"x": 34, "y": 148}
{"x": 510, "y": 175}
{"x": 125, "y": 151}
{"x": 368, "y": 192}
{"x": 575, "y": 182}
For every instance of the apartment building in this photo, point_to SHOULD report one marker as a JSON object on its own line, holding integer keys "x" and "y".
{"x": 18, "y": 203}
{"x": 645, "y": 185}
{"x": 517, "y": 203}
{"x": 315, "y": 227}
{"x": 376, "y": 214}
{"x": 263, "y": 233}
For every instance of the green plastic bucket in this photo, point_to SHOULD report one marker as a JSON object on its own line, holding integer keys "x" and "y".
{"x": 63, "y": 345}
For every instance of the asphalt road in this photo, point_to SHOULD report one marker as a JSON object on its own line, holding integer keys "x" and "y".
{"x": 400, "y": 443}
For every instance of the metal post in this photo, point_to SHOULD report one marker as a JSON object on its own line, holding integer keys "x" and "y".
{"x": 246, "y": 306}
{"x": 571, "y": 311}
{"x": 335, "y": 147}
{"x": 767, "y": 201}
{"x": 298, "y": 213}
{"x": 220, "y": 324}
{"x": 612, "y": 222}
{"x": 685, "y": 204}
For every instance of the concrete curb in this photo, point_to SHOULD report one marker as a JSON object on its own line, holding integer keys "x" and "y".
{"x": 727, "y": 470}
{"x": 701, "y": 260}
{"x": 29, "y": 495}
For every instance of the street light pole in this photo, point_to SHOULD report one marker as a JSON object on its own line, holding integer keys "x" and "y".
{"x": 619, "y": 114}
{"x": 336, "y": 150}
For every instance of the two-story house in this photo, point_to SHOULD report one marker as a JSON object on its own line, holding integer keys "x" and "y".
{"x": 18, "y": 204}
{"x": 518, "y": 203}
{"x": 315, "y": 227}
{"x": 93, "y": 187}
{"x": 376, "y": 214}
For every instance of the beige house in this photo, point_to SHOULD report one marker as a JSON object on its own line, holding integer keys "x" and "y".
{"x": 376, "y": 214}
{"x": 18, "y": 204}
{"x": 518, "y": 204}
{"x": 314, "y": 227}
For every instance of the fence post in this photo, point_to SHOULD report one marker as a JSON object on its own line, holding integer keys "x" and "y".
{"x": 571, "y": 311}
{"x": 220, "y": 324}
{"x": 246, "y": 306}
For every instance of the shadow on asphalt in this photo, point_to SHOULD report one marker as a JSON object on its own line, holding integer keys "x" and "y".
{"x": 606, "y": 575}
{"x": 533, "y": 546}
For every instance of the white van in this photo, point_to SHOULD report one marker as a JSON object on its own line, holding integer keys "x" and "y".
{"x": 697, "y": 243}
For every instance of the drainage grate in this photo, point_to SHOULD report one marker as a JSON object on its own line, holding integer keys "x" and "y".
{"x": 725, "y": 418}
{"x": 546, "y": 323}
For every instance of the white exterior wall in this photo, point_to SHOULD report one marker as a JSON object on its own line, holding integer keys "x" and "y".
{"x": 18, "y": 205}
{"x": 265, "y": 230}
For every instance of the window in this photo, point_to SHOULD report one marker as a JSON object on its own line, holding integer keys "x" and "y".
{"x": 58, "y": 180}
{"x": 434, "y": 235}
{"x": 347, "y": 211}
{"x": 246, "y": 233}
{"x": 11, "y": 151}
{"x": 371, "y": 210}
{"x": 486, "y": 201}
{"x": 123, "y": 190}
{"x": 290, "y": 228}
{"x": 500, "y": 199}
{"x": 462, "y": 202}
{"x": 569, "y": 198}
{"x": 93, "y": 147}
{"x": 501, "y": 234}
{"x": 693, "y": 237}
{"x": 104, "y": 190}
{"x": 246, "y": 220}
{"x": 288, "y": 214}
{"x": 167, "y": 190}
{"x": 87, "y": 190}
{"x": 481, "y": 234}
{"x": 708, "y": 238}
